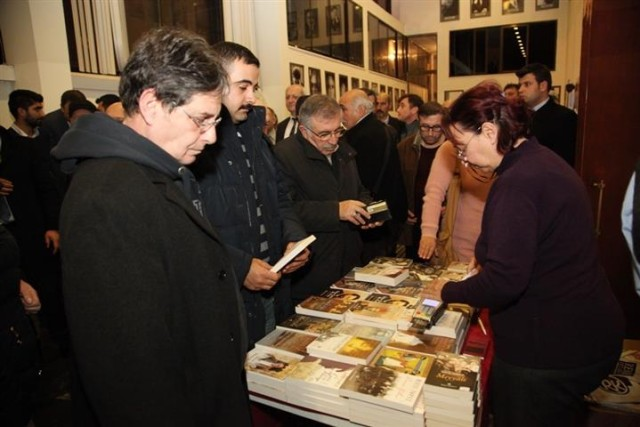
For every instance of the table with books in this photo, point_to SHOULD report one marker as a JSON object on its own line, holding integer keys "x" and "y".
{"x": 376, "y": 351}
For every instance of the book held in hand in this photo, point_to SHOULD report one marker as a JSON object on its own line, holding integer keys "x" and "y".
{"x": 294, "y": 252}
{"x": 379, "y": 211}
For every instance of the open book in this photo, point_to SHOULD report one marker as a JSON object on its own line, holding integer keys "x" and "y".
{"x": 294, "y": 252}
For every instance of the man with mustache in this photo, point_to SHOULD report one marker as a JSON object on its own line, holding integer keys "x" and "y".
{"x": 245, "y": 199}
{"x": 327, "y": 193}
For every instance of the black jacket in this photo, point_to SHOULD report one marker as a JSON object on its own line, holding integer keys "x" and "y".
{"x": 316, "y": 189}
{"x": 154, "y": 312}
{"x": 555, "y": 126}
{"x": 230, "y": 205}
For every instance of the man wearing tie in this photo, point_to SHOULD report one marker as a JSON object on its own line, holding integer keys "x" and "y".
{"x": 289, "y": 126}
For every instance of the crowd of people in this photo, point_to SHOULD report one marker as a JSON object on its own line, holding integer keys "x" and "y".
{"x": 159, "y": 212}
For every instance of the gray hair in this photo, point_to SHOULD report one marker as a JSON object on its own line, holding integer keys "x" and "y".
{"x": 318, "y": 106}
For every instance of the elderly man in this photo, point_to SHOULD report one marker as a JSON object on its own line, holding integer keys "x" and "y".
{"x": 289, "y": 126}
{"x": 416, "y": 156}
{"x": 378, "y": 167}
{"x": 153, "y": 305}
{"x": 327, "y": 194}
{"x": 382, "y": 112}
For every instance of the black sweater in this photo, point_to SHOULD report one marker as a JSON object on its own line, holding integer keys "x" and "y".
{"x": 551, "y": 304}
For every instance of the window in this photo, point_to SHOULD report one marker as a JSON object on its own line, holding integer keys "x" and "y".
{"x": 100, "y": 34}
{"x": 502, "y": 49}
{"x": 388, "y": 51}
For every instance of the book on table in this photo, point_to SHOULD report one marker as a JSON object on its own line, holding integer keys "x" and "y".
{"x": 384, "y": 387}
{"x": 404, "y": 361}
{"x": 344, "y": 348}
{"x": 420, "y": 343}
{"x": 348, "y": 296}
{"x": 330, "y": 308}
{"x": 268, "y": 367}
{"x": 373, "y": 313}
{"x": 308, "y": 324}
{"x": 454, "y": 375}
{"x": 346, "y": 283}
{"x": 384, "y": 271}
{"x": 286, "y": 342}
{"x": 372, "y": 332}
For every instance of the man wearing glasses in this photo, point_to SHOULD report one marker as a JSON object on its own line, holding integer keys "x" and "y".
{"x": 153, "y": 306}
{"x": 327, "y": 194}
{"x": 245, "y": 198}
{"x": 416, "y": 156}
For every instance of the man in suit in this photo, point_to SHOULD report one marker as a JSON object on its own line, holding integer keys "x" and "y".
{"x": 378, "y": 168}
{"x": 289, "y": 126}
{"x": 554, "y": 125}
{"x": 56, "y": 123}
{"x": 382, "y": 112}
{"x": 407, "y": 110}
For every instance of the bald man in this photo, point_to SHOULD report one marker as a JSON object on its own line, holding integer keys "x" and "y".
{"x": 289, "y": 126}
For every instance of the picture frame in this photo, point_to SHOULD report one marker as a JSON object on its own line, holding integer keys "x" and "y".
{"x": 343, "y": 82}
{"x": 330, "y": 84}
{"x": 357, "y": 19}
{"x": 451, "y": 95}
{"x": 315, "y": 86}
{"x": 383, "y": 88}
{"x": 374, "y": 86}
{"x": 333, "y": 14}
{"x": 512, "y": 6}
{"x": 557, "y": 92}
{"x": 311, "y": 30}
{"x": 396, "y": 97}
{"x": 365, "y": 84}
{"x": 355, "y": 83}
{"x": 449, "y": 10}
{"x": 296, "y": 73}
{"x": 292, "y": 26}
{"x": 547, "y": 4}
{"x": 480, "y": 8}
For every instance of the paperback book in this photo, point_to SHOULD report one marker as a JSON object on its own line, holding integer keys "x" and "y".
{"x": 404, "y": 361}
{"x": 344, "y": 348}
{"x": 286, "y": 342}
{"x": 308, "y": 324}
{"x": 348, "y": 296}
{"x": 268, "y": 367}
{"x": 384, "y": 271}
{"x": 419, "y": 343}
{"x": 373, "y": 313}
{"x": 454, "y": 375}
{"x": 318, "y": 306}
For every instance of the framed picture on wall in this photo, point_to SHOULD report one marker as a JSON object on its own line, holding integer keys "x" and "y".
{"x": 330, "y": 84}
{"x": 383, "y": 88}
{"x": 556, "y": 92}
{"x": 334, "y": 19}
{"x": 451, "y": 95}
{"x": 512, "y": 6}
{"x": 344, "y": 84}
{"x": 311, "y": 30}
{"x": 396, "y": 97}
{"x": 449, "y": 10}
{"x": 297, "y": 74}
{"x": 355, "y": 83}
{"x": 365, "y": 84}
{"x": 547, "y": 4}
{"x": 480, "y": 8}
{"x": 374, "y": 86}
{"x": 315, "y": 87}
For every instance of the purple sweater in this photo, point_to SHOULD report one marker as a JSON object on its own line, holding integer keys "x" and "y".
{"x": 551, "y": 304}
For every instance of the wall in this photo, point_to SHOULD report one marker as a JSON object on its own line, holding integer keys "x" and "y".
{"x": 568, "y": 15}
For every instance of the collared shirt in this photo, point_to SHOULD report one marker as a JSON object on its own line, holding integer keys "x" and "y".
{"x": 542, "y": 104}
{"x": 20, "y": 132}
{"x": 292, "y": 127}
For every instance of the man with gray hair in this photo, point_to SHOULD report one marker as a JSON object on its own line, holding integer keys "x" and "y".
{"x": 327, "y": 195}
{"x": 153, "y": 304}
{"x": 378, "y": 167}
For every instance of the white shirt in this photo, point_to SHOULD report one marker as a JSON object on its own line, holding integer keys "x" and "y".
{"x": 627, "y": 222}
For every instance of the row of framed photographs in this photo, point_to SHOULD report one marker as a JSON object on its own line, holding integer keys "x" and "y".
{"x": 450, "y": 9}
{"x": 336, "y": 87}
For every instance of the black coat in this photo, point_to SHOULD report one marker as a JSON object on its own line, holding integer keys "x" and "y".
{"x": 397, "y": 125}
{"x": 230, "y": 206}
{"x": 317, "y": 187}
{"x": 281, "y": 128}
{"x": 555, "y": 126}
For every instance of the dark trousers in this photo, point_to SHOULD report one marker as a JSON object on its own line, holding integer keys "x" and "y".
{"x": 526, "y": 397}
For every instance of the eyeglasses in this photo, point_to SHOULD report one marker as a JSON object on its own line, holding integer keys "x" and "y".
{"x": 326, "y": 135}
{"x": 462, "y": 152}
{"x": 434, "y": 129}
{"x": 203, "y": 124}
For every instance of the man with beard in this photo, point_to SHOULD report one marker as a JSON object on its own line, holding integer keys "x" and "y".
{"x": 416, "y": 155}
{"x": 382, "y": 112}
{"x": 245, "y": 198}
{"x": 34, "y": 201}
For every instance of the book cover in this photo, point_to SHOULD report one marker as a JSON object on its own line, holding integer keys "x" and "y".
{"x": 348, "y": 296}
{"x": 270, "y": 364}
{"x": 408, "y": 287}
{"x": 454, "y": 373}
{"x": 375, "y": 312}
{"x": 355, "y": 285}
{"x": 287, "y": 342}
{"x": 344, "y": 348}
{"x": 458, "y": 267}
{"x": 382, "y": 274}
{"x": 321, "y": 373}
{"x": 449, "y": 325}
{"x": 404, "y": 301}
{"x": 425, "y": 272}
{"x": 419, "y": 343}
{"x": 404, "y": 361}
{"x": 308, "y": 324}
{"x": 381, "y": 334}
{"x": 323, "y": 307}
{"x": 384, "y": 387}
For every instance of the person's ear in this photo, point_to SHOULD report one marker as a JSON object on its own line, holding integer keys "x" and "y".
{"x": 150, "y": 106}
{"x": 544, "y": 86}
{"x": 490, "y": 131}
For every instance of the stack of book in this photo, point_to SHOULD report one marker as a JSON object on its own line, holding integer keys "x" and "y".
{"x": 421, "y": 343}
{"x": 344, "y": 348}
{"x": 308, "y": 324}
{"x": 384, "y": 271}
{"x": 315, "y": 383}
{"x": 267, "y": 371}
{"x": 382, "y": 396}
{"x": 286, "y": 342}
{"x": 452, "y": 391}
{"x": 328, "y": 308}
{"x": 405, "y": 361}
{"x": 376, "y": 314}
